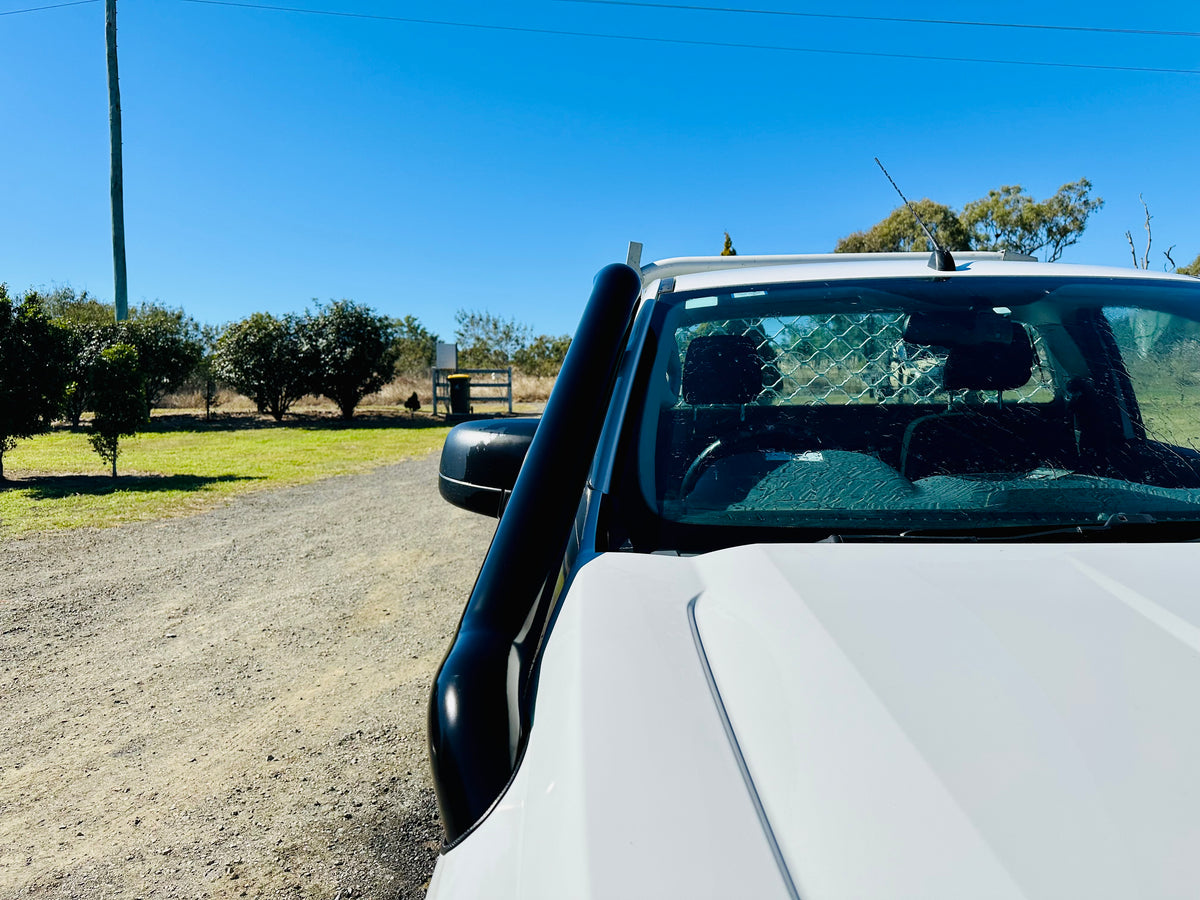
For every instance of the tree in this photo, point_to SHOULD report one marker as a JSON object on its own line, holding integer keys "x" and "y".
{"x": 263, "y": 357}
{"x": 728, "y": 250}
{"x": 900, "y": 231}
{"x": 1193, "y": 268}
{"x": 1006, "y": 219}
{"x": 204, "y": 379}
{"x": 543, "y": 355}
{"x": 353, "y": 352}
{"x": 86, "y": 326}
{"x": 31, "y": 381}
{"x": 84, "y": 342}
{"x": 71, "y": 307}
{"x": 169, "y": 345}
{"x": 119, "y": 401}
{"x": 416, "y": 347}
{"x": 168, "y": 342}
{"x": 1144, "y": 262}
{"x": 1009, "y": 219}
{"x": 487, "y": 341}
{"x": 206, "y": 370}
{"x": 47, "y": 346}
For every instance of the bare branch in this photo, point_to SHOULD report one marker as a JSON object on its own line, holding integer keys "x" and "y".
{"x": 1132, "y": 249}
{"x": 1149, "y": 236}
{"x": 1167, "y": 254}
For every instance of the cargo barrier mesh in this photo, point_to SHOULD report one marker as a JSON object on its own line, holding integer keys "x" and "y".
{"x": 856, "y": 358}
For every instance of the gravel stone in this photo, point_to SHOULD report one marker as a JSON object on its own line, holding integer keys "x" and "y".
{"x": 231, "y": 704}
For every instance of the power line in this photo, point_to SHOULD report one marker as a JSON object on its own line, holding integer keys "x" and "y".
{"x": 15, "y": 12}
{"x": 696, "y": 43}
{"x": 853, "y": 18}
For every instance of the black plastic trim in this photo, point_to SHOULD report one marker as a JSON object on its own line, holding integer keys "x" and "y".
{"x": 481, "y": 461}
{"x": 472, "y": 497}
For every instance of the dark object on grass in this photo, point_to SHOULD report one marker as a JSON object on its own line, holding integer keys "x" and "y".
{"x": 412, "y": 404}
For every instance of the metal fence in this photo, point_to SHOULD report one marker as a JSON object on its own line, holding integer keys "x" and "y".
{"x": 495, "y": 386}
{"x": 857, "y": 358}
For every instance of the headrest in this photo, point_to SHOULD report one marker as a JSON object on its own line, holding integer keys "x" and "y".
{"x": 722, "y": 369}
{"x": 990, "y": 365}
{"x": 957, "y": 327}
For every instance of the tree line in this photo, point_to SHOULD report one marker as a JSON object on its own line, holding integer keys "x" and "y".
{"x": 62, "y": 355}
{"x": 1008, "y": 218}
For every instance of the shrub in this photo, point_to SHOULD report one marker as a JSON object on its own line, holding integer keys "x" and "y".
{"x": 487, "y": 341}
{"x": 31, "y": 370}
{"x": 265, "y": 358}
{"x": 353, "y": 352}
{"x": 119, "y": 400}
{"x": 416, "y": 347}
{"x": 543, "y": 355}
{"x": 169, "y": 345}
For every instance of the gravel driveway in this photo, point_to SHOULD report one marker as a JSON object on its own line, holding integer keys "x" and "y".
{"x": 231, "y": 704}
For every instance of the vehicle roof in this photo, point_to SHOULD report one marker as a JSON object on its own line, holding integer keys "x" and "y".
{"x": 713, "y": 273}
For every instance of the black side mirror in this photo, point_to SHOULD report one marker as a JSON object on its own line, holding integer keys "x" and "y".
{"x": 481, "y": 460}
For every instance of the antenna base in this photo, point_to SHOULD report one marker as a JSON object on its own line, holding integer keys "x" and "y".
{"x": 941, "y": 260}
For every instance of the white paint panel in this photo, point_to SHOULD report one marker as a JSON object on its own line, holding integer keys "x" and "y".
{"x": 629, "y": 787}
{"x": 854, "y": 806}
{"x": 919, "y": 720}
{"x": 965, "y": 702}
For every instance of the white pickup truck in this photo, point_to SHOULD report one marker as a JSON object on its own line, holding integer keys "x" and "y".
{"x": 837, "y": 577}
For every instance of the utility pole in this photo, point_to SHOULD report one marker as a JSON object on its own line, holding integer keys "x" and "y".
{"x": 116, "y": 182}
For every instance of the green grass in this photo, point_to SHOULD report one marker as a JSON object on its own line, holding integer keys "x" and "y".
{"x": 184, "y": 464}
{"x": 1168, "y": 396}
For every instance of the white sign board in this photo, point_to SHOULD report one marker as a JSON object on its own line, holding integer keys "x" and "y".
{"x": 447, "y": 356}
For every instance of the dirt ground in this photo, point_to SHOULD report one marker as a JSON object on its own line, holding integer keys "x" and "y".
{"x": 231, "y": 704}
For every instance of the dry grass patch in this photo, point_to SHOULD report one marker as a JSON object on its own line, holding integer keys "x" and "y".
{"x": 530, "y": 393}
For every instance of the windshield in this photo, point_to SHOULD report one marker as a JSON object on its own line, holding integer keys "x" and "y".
{"x": 931, "y": 403}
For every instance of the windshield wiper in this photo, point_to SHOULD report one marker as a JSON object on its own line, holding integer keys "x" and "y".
{"x": 1132, "y": 527}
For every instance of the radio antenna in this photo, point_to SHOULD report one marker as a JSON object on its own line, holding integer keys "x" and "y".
{"x": 941, "y": 260}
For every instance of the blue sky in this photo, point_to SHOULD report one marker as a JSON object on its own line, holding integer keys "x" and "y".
{"x": 275, "y": 157}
